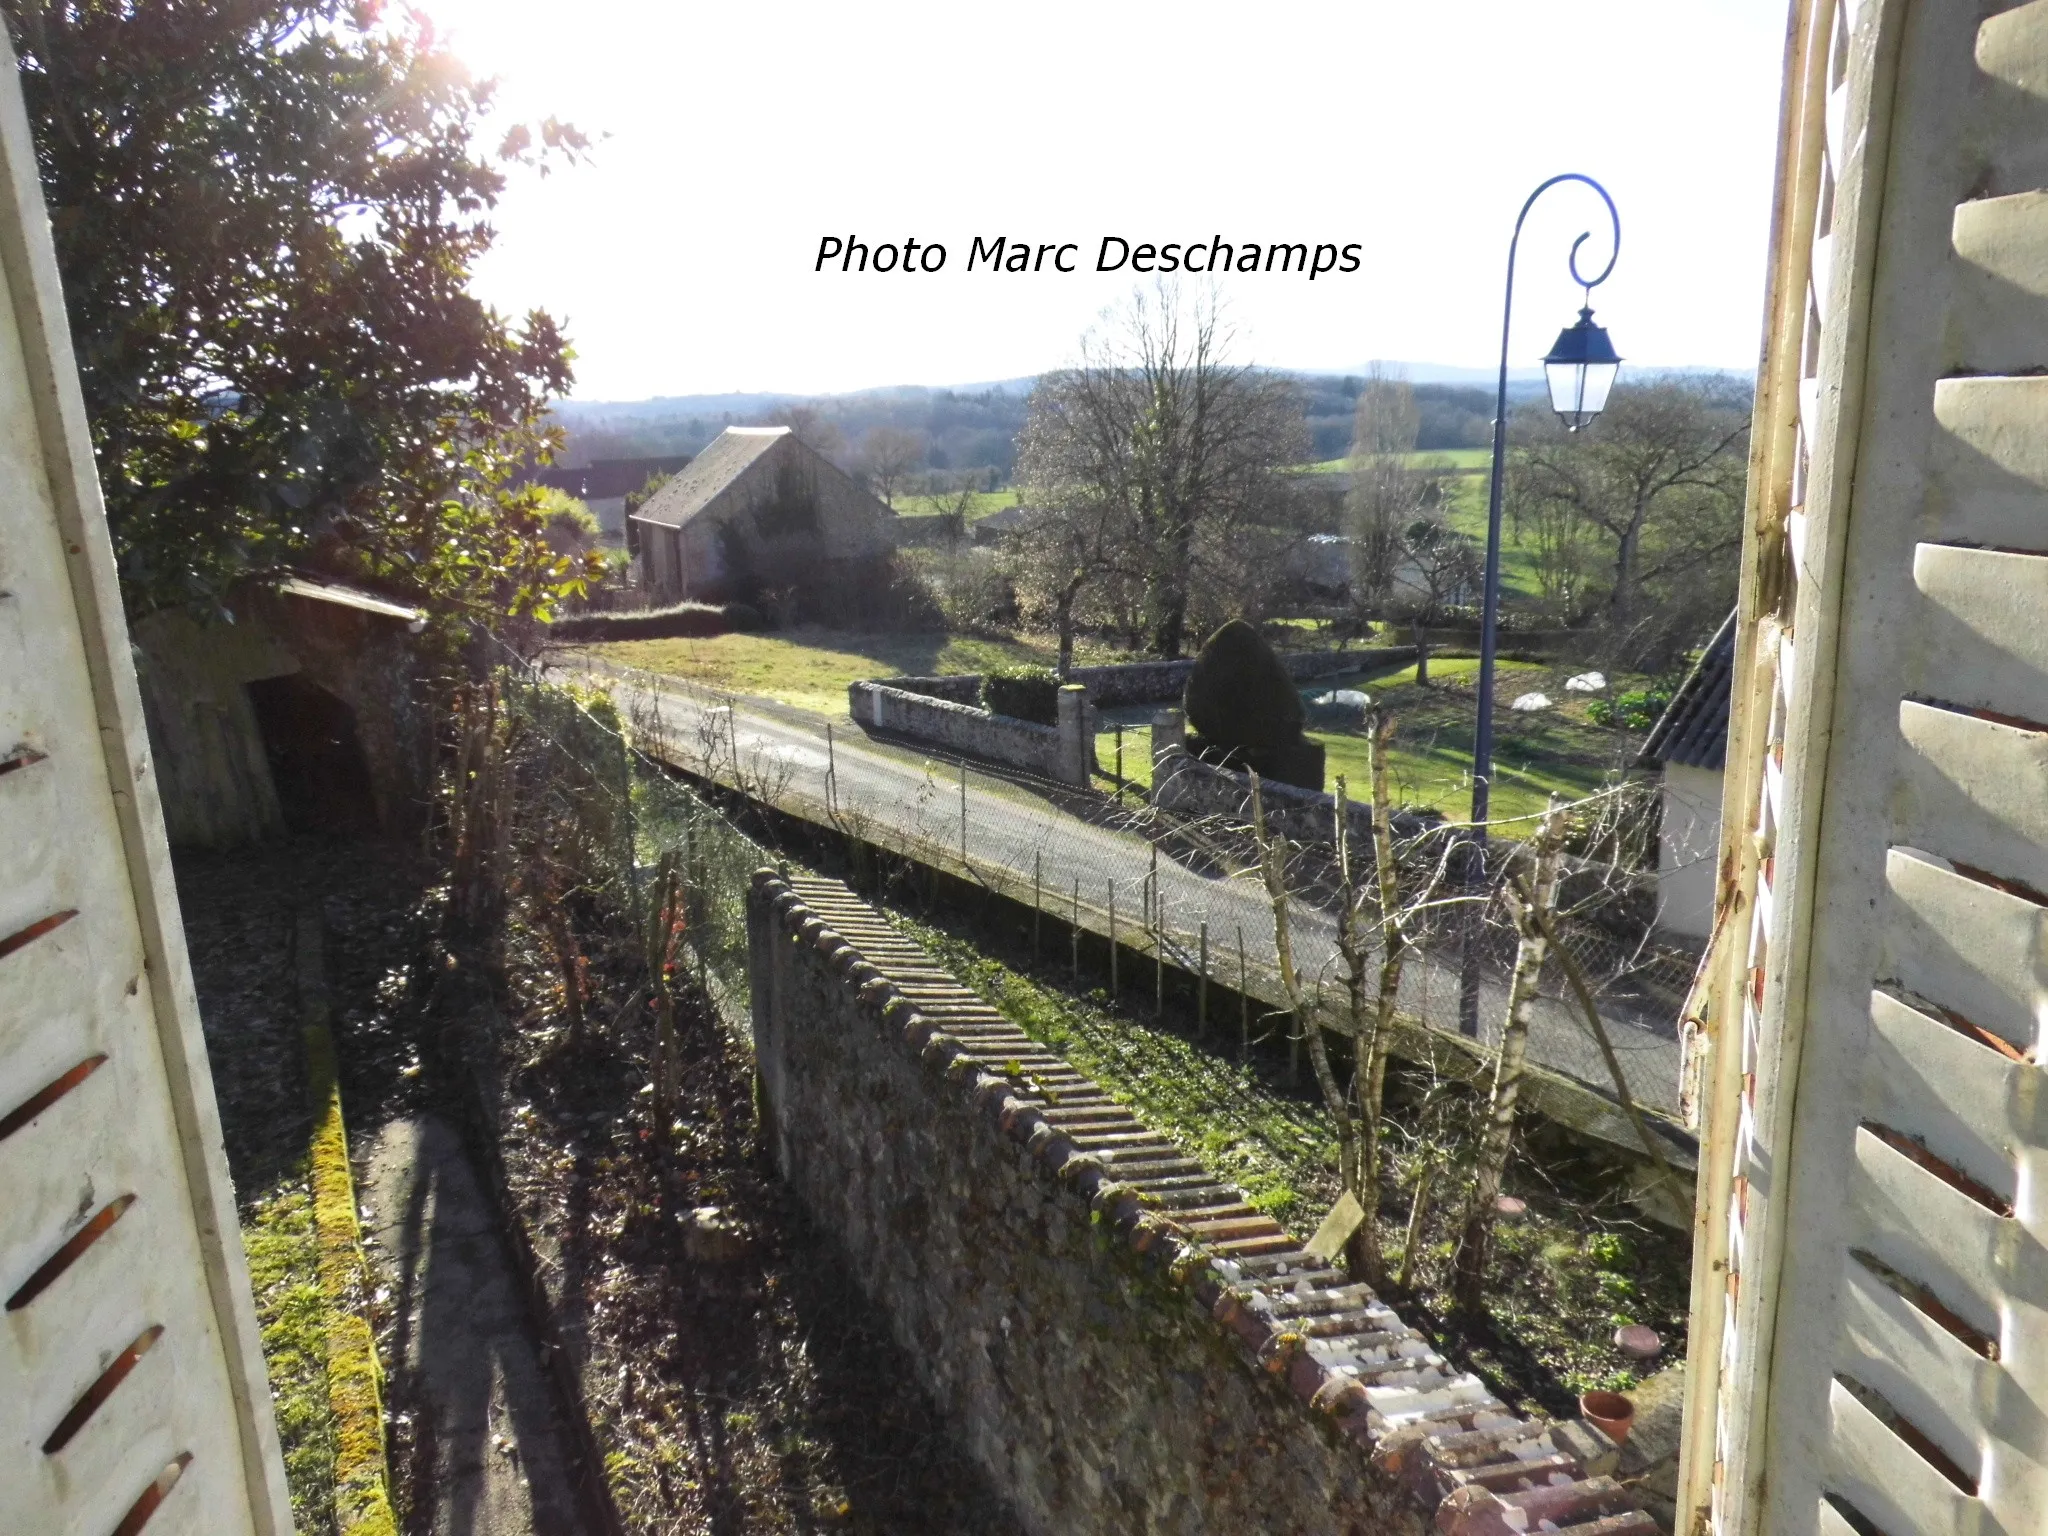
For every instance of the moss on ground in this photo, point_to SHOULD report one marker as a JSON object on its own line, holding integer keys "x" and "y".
{"x": 362, "y": 1479}
{"x": 284, "y": 1271}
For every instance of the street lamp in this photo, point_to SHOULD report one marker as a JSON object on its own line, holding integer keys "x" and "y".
{"x": 1579, "y": 371}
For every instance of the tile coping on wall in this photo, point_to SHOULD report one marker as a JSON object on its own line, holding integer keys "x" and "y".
{"x": 1340, "y": 1350}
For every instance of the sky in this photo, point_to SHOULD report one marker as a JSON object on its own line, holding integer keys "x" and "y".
{"x": 733, "y": 139}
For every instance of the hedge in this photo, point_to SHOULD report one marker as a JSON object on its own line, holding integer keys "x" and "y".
{"x": 682, "y": 621}
{"x": 1023, "y": 693}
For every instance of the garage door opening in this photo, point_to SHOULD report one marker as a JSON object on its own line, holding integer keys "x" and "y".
{"x": 316, "y": 758}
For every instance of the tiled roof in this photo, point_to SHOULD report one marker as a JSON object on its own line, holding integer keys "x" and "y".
{"x": 1693, "y": 730}
{"x": 692, "y": 488}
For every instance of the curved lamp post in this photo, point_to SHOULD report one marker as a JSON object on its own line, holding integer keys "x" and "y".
{"x": 1579, "y": 371}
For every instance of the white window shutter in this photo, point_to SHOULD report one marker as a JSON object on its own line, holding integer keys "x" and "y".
{"x": 132, "y": 1384}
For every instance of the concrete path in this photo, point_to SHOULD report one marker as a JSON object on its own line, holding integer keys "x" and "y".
{"x": 772, "y": 747}
{"x": 492, "y": 1457}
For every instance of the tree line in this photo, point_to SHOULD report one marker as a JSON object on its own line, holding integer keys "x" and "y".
{"x": 1166, "y": 491}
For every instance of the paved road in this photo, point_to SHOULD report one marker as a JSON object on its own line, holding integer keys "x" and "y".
{"x": 915, "y": 796}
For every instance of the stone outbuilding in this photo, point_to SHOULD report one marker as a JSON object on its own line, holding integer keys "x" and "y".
{"x": 757, "y": 512}
{"x": 1688, "y": 747}
{"x": 306, "y": 712}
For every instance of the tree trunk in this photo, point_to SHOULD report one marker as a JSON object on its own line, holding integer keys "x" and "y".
{"x": 1496, "y": 1140}
{"x": 1377, "y": 1041}
{"x": 1421, "y": 651}
{"x": 1272, "y": 867}
{"x": 1621, "y": 601}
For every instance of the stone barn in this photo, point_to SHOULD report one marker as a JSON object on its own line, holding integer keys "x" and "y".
{"x": 758, "y": 514}
{"x": 305, "y": 713}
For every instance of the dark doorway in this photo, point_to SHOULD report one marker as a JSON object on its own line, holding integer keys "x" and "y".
{"x": 316, "y": 760}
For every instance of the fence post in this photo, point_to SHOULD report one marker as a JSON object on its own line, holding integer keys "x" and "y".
{"x": 1119, "y": 755}
{"x": 1075, "y": 719}
{"x": 831, "y": 773}
{"x": 1202, "y": 995}
{"x": 1037, "y": 883}
{"x": 1244, "y": 1002}
{"x": 1112, "y": 941}
{"x": 1158, "y": 956}
{"x": 1074, "y": 929}
{"x": 963, "y": 815}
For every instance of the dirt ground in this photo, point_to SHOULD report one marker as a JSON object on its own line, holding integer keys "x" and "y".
{"x": 750, "y": 1393}
{"x": 739, "y": 1384}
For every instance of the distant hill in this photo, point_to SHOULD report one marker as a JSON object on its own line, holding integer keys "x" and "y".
{"x": 972, "y": 428}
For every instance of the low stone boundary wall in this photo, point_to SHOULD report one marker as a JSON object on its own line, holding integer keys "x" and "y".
{"x": 955, "y": 688}
{"x": 1118, "y": 1338}
{"x": 1183, "y": 783}
{"x": 1155, "y": 682}
{"x": 1063, "y": 752}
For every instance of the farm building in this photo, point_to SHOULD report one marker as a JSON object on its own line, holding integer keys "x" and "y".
{"x": 604, "y": 484}
{"x": 755, "y": 512}
{"x": 1689, "y": 748}
{"x": 303, "y": 713}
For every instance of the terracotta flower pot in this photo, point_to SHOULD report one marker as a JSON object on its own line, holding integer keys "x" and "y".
{"x": 1612, "y": 1413}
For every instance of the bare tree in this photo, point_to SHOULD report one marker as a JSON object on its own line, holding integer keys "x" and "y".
{"x": 1164, "y": 435}
{"x": 1376, "y": 927}
{"x": 1386, "y": 493}
{"x": 1063, "y": 549}
{"x": 814, "y": 429}
{"x": 1659, "y": 480}
{"x": 1531, "y": 902}
{"x": 887, "y": 454}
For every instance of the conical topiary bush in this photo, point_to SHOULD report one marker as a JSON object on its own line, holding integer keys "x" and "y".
{"x": 1239, "y": 695}
{"x": 1244, "y": 711}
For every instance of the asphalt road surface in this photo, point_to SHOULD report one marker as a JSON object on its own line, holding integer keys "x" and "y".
{"x": 784, "y": 755}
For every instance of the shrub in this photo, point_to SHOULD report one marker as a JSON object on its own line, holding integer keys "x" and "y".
{"x": 1639, "y": 708}
{"x": 685, "y": 621}
{"x": 1239, "y": 695}
{"x": 1023, "y": 693}
{"x": 1601, "y": 711}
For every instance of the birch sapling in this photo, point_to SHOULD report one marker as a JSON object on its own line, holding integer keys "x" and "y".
{"x": 1530, "y": 904}
{"x": 1273, "y": 868}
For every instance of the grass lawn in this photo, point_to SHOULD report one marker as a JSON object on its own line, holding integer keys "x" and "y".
{"x": 984, "y": 503}
{"x": 810, "y": 668}
{"x": 1463, "y": 460}
{"x": 1555, "y": 750}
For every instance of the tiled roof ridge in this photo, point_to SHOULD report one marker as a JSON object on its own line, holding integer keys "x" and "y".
{"x": 1693, "y": 730}
{"x": 1339, "y": 1349}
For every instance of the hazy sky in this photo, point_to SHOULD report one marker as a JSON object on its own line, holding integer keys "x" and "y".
{"x": 737, "y": 136}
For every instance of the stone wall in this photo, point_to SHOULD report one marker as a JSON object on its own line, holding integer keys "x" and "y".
{"x": 1183, "y": 783}
{"x": 213, "y": 772}
{"x": 1063, "y": 752}
{"x": 1156, "y": 682}
{"x": 1121, "y": 1342}
{"x": 955, "y": 688}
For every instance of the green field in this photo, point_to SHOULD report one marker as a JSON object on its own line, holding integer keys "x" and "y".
{"x": 1556, "y": 751}
{"x": 984, "y": 503}
{"x": 1463, "y": 460}
{"x": 810, "y": 668}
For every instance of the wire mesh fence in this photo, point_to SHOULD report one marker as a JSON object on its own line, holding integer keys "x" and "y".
{"x": 554, "y": 797}
{"x": 1182, "y": 892}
